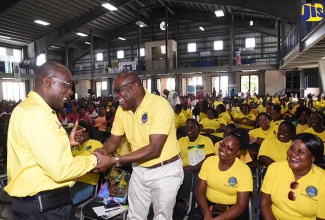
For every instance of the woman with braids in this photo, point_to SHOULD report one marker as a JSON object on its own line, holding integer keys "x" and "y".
{"x": 225, "y": 182}
{"x": 295, "y": 188}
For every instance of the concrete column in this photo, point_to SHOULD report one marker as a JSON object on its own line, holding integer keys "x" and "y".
{"x": 321, "y": 73}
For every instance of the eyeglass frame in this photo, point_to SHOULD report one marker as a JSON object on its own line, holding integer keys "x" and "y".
{"x": 292, "y": 195}
{"x": 67, "y": 84}
{"x": 227, "y": 147}
{"x": 117, "y": 90}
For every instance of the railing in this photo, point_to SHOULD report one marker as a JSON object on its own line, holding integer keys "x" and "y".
{"x": 298, "y": 34}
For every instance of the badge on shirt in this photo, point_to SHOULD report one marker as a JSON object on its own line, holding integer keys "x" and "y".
{"x": 144, "y": 118}
{"x": 232, "y": 181}
{"x": 311, "y": 191}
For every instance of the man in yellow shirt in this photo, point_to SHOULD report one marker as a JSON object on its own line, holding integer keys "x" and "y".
{"x": 147, "y": 120}
{"x": 40, "y": 165}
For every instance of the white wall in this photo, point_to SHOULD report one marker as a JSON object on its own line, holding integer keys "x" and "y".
{"x": 82, "y": 87}
{"x": 275, "y": 82}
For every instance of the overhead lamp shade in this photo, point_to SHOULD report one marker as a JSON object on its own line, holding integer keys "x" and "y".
{"x": 219, "y": 13}
{"x": 141, "y": 24}
{"x": 251, "y": 23}
{"x": 109, "y": 6}
{"x": 81, "y": 34}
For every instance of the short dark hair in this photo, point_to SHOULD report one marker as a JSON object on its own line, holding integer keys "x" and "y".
{"x": 194, "y": 121}
{"x": 291, "y": 125}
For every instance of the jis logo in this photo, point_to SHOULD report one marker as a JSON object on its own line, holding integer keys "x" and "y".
{"x": 311, "y": 191}
{"x": 312, "y": 12}
{"x": 232, "y": 181}
{"x": 144, "y": 118}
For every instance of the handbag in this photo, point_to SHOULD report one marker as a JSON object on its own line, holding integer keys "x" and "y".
{"x": 118, "y": 182}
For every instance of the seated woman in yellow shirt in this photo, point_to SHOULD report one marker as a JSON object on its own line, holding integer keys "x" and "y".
{"x": 275, "y": 115}
{"x": 224, "y": 182}
{"x": 222, "y": 112}
{"x": 195, "y": 148}
{"x": 302, "y": 113}
{"x": 316, "y": 123}
{"x": 244, "y": 119}
{"x": 275, "y": 149}
{"x": 295, "y": 188}
{"x": 244, "y": 156}
{"x": 212, "y": 126}
{"x": 179, "y": 119}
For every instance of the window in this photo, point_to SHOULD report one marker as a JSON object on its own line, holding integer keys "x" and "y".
{"x": 189, "y": 84}
{"x": 101, "y": 88}
{"x": 13, "y": 91}
{"x": 99, "y": 57}
{"x": 249, "y": 42}
{"x": 191, "y": 47}
{"x": 218, "y": 45}
{"x": 163, "y": 49}
{"x": 40, "y": 59}
{"x": 142, "y": 52}
{"x": 120, "y": 54}
{"x": 147, "y": 84}
{"x": 220, "y": 83}
{"x": 170, "y": 85}
{"x": 249, "y": 83}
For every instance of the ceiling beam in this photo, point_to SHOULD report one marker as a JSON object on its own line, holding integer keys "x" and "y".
{"x": 7, "y": 5}
{"x": 47, "y": 40}
{"x": 284, "y": 9}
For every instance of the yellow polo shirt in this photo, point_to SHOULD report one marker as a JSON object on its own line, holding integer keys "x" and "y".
{"x": 153, "y": 116}
{"x": 310, "y": 200}
{"x": 248, "y": 116}
{"x": 301, "y": 128}
{"x": 187, "y": 113}
{"x": 39, "y": 153}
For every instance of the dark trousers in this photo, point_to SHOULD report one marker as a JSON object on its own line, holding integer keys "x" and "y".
{"x": 29, "y": 210}
{"x": 197, "y": 214}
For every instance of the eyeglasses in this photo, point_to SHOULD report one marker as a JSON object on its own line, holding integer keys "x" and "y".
{"x": 292, "y": 195}
{"x": 222, "y": 144}
{"x": 68, "y": 85}
{"x": 117, "y": 90}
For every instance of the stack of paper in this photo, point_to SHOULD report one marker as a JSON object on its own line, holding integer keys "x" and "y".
{"x": 109, "y": 212}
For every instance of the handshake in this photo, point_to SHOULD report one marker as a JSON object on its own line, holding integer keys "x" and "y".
{"x": 104, "y": 161}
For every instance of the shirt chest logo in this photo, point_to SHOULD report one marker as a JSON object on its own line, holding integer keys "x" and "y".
{"x": 232, "y": 181}
{"x": 311, "y": 191}
{"x": 144, "y": 118}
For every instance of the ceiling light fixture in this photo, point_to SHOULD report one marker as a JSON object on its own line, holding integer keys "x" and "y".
{"x": 219, "y": 13}
{"x": 55, "y": 47}
{"x": 41, "y": 22}
{"x": 201, "y": 28}
{"x": 109, "y": 6}
{"x": 81, "y": 34}
{"x": 251, "y": 23}
{"x": 5, "y": 37}
{"x": 121, "y": 38}
{"x": 87, "y": 42}
{"x": 141, "y": 24}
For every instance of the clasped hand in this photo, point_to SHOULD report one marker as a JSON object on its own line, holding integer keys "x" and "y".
{"x": 104, "y": 162}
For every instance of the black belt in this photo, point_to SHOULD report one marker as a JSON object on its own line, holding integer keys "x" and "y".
{"x": 27, "y": 198}
{"x": 165, "y": 162}
{"x": 50, "y": 199}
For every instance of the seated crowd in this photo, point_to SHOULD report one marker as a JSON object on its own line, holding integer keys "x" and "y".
{"x": 223, "y": 143}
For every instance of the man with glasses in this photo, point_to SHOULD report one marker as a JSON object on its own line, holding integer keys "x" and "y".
{"x": 40, "y": 165}
{"x": 147, "y": 120}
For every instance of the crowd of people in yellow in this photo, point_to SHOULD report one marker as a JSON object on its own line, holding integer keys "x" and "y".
{"x": 221, "y": 142}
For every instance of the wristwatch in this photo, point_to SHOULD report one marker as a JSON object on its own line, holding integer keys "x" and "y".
{"x": 117, "y": 161}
